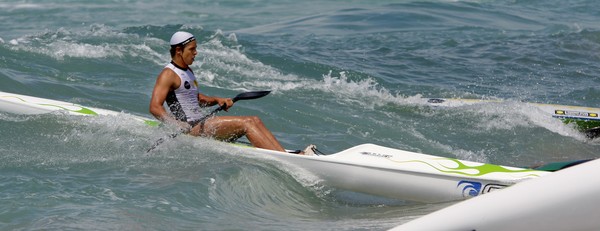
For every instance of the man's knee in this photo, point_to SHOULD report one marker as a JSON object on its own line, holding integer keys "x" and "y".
{"x": 254, "y": 120}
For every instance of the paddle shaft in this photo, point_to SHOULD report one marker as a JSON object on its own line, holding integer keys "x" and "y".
{"x": 241, "y": 96}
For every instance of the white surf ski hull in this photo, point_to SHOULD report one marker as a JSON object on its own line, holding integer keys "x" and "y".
{"x": 399, "y": 174}
{"x": 29, "y": 105}
{"x": 564, "y": 200}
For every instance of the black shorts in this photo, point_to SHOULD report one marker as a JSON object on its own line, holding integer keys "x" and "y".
{"x": 196, "y": 122}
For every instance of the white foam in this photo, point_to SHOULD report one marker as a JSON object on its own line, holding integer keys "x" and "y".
{"x": 366, "y": 92}
{"x": 236, "y": 62}
{"x": 16, "y": 6}
{"x": 507, "y": 115}
{"x": 61, "y": 49}
{"x": 64, "y": 43}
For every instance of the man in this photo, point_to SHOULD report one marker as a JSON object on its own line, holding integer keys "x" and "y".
{"x": 177, "y": 86}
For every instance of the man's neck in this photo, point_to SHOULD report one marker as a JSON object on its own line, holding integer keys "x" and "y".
{"x": 179, "y": 65}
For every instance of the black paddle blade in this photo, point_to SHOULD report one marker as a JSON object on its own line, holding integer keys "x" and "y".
{"x": 250, "y": 95}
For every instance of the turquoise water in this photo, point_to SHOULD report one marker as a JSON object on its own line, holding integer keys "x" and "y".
{"x": 342, "y": 73}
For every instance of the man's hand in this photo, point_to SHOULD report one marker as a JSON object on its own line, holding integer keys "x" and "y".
{"x": 225, "y": 103}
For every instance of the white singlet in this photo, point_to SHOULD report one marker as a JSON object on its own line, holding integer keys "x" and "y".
{"x": 183, "y": 101}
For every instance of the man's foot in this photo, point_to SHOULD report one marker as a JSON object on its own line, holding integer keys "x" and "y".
{"x": 310, "y": 150}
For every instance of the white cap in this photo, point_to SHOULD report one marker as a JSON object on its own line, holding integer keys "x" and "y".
{"x": 181, "y": 37}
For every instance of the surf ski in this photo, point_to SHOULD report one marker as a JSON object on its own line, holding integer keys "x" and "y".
{"x": 399, "y": 174}
{"x": 586, "y": 119}
{"x": 565, "y": 200}
{"x": 367, "y": 168}
{"x": 29, "y": 105}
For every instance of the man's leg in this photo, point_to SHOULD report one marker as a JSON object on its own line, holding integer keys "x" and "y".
{"x": 233, "y": 127}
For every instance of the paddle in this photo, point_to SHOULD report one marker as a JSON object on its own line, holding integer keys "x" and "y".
{"x": 241, "y": 96}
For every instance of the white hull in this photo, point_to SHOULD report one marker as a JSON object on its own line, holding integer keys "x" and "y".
{"x": 365, "y": 168}
{"x": 399, "y": 174}
{"x": 565, "y": 200}
{"x": 29, "y": 105}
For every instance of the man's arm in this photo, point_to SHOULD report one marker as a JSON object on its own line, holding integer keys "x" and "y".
{"x": 207, "y": 101}
{"x": 164, "y": 83}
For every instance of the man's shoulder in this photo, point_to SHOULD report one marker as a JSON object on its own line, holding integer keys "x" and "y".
{"x": 166, "y": 72}
{"x": 168, "y": 76}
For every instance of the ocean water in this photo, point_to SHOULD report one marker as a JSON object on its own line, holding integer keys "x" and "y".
{"x": 342, "y": 73}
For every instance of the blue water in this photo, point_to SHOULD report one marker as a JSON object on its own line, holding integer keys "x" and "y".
{"x": 342, "y": 73}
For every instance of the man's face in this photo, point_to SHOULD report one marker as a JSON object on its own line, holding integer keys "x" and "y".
{"x": 189, "y": 53}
